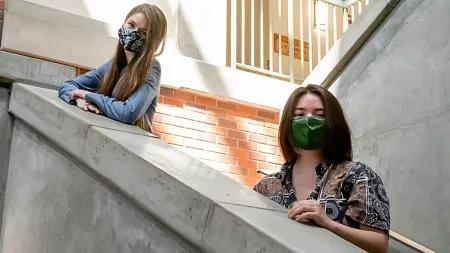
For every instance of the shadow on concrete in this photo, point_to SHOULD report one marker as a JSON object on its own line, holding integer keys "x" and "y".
{"x": 211, "y": 74}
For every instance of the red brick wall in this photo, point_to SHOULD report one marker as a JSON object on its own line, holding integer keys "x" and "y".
{"x": 233, "y": 138}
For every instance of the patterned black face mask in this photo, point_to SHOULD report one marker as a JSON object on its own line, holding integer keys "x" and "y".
{"x": 131, "y": 40}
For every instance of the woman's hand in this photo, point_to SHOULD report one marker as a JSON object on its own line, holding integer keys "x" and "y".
{"x": 310, "y": 210}
{"x": 81, "y": 103}
{"x": 78, "y": 94}
{"x": 367, "y": 238}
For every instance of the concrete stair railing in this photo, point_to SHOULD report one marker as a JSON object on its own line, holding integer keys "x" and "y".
{"x": 80, "y": 182}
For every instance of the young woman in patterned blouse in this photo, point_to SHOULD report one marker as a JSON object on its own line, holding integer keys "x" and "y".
{"x": 319, "y": 182}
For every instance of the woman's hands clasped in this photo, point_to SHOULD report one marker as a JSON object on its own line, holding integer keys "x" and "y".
{"x": 79, "y": 96}
{"x": 310, "y": 210}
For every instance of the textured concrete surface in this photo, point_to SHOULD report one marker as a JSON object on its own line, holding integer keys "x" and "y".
{"x": 199, "y": 203}
{"x": 396, "y": 96}
{"x": 55, "y": 205}
{"x": 397, "y": 247}
{"x": 238, "y": 223}
{"x": 5, "y": 141}
{"x": 14, "y": 67}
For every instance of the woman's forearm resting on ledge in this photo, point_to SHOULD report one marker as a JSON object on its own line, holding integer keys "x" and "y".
{"x": 368, "y": 238}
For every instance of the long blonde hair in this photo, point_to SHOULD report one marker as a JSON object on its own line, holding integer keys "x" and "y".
{"x": 124, "y": 79}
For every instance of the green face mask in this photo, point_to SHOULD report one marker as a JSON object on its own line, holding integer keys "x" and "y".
{"x": 308, "y": 132}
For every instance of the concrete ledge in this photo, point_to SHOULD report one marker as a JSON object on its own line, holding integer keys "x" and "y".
{"x": 199, "y": 203}
{"x": 351, "y": 41}
{"x": 74, "y": 46}
{"x": 66, "y": 124}
{"x": 18, "y": 68}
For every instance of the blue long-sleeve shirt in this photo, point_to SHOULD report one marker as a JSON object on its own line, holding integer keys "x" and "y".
{"x": 142, "y": 101}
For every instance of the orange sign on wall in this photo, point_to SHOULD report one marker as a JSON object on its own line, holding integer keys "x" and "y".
{"x": 285, "y": 47}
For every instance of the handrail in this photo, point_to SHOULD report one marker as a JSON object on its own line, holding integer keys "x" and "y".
{"x": 409, "y": 243}
{"x": 399, "y": 238}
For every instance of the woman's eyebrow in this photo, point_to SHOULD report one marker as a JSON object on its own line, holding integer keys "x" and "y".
{"x": 316, "y": 109}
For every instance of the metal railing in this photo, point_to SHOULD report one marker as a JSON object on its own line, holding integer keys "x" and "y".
{"x": 286, "y": 39}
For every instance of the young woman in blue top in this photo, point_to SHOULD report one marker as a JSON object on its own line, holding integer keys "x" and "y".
{"x": 127, "y": 87}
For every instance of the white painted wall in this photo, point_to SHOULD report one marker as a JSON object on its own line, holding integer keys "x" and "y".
{"x": 202, "y": 30}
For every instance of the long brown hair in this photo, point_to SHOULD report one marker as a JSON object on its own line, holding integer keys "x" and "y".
{"x": 123, "y": 79}
{"x": 338, "y": 145}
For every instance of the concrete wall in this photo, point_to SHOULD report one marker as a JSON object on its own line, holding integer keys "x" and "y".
{"x": 54, "y": 204}
{"x": 397, "y": 247}
{"x": 5, "y": 141}
{"x": 396, "y": 95}
{"x": 19, "y": 68}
